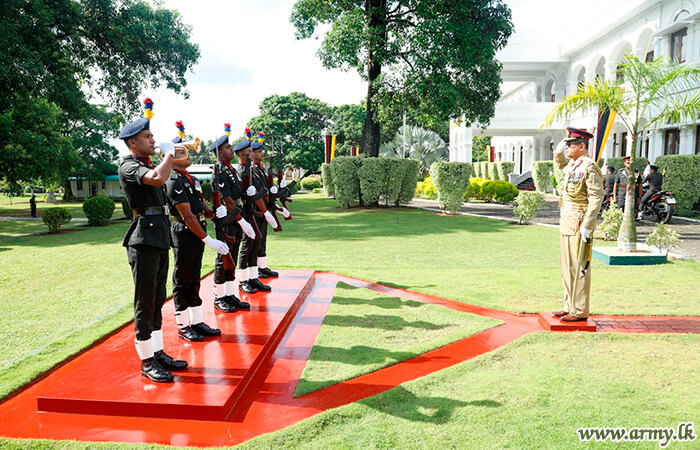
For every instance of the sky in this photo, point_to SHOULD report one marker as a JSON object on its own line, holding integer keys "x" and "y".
{"x": 249, "y": 52}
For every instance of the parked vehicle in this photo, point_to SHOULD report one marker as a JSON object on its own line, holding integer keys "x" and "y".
{"x": 659, "y": 207}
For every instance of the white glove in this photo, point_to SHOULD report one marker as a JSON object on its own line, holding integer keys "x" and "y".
{"x": 285, "y": 213}
{"x": 273, "y": 189}
{"x": 283, "y": 183}
{"x": 585, "y": 233}
{"x": 216, "y": 245}
{"x": 167, "y": 148}
{"x": 270, "y": 219}
{"x": 250, "y": 191}
{"x": 247, "y": 228}
{"x": 221, "y": 211}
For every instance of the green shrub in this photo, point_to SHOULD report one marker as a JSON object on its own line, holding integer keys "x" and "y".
{"x": 426, "y": 189}
{"x": 451, "y": 180}
{"x": 542, "y": 175}
{"x": 207, "y": 191}
{"x": 558, "y": 175}
{"x": 474, "y": 190}
{"x": 372, "y": 174}
{"x": 504, "y": 168}
{"x": 682, "y": 178}
{"x": 395, "y": 172}
{"x": 327, "y": 176}
{"x": 55, "y": 218}
{"x": 98, "y": 209}
{"x": 310, "y": 183}
{"x": 528, "y": 204}
{"x": 612, "y": 219}
{"x": 477, "y": 170}
{"x": 640, "y": 163}
{"x": 492, "y": 171}
{"x": 128, "y": 213}
{"x": 346, "y": 181}
{"x": 503, "y": 191}
{"x": 316, "y": 190}
{"x": 663, "y": 238}
{"x": 410, "y": 180}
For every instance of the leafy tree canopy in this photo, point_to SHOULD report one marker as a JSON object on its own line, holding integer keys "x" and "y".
{"x": 59, "y": 54}
{"x": 435, "y": 58}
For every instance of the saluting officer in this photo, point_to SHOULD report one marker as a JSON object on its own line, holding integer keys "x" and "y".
{"x": 229, "y": 185}
{"x": 254, "y": 187}
{"x": 147, "y": 242}
{"x": 620, "y": 188}
{"x": 263, "y": 270}
{"x": 189, "y": 234}
{"x": 580, "y": 202}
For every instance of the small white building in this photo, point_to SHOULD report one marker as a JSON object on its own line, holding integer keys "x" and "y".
{"x": 542, "y": 67}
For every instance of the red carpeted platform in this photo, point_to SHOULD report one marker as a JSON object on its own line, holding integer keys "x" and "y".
{"x": 242, "y": 384}
{"x": 551, "y": 323}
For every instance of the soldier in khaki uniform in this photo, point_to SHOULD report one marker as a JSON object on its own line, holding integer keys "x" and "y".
{"x": 579, "y": 203}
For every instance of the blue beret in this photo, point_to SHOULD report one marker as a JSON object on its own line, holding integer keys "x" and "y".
{"x": 177, "y": 140}
{"x": 244, "y": 144}
{"x": 134, "y": 128}
{"x": 256, "y": 145}
{"x": 218, "y": 143}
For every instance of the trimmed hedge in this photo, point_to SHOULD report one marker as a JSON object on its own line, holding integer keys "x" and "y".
{"x": 372, "y": 174}
{"x": 451, "y": 180}
{"x": 327, "y": 176}
{"x": 310, "y": 183}
{"x": 499, "y": 191}
{"x": 98, "y": 209}
{"x": 395, "y": 171}
{"x": 56, "y": 218}
{"x": 528, "y": 204}
{"x": 558, "y": 174}
{"x": 640, "y": 163}
{"x": 477, "y": 169}
{"x": 504, "y": 169}
{"x": 492, "y": 171}
{"x": 346, "y": 181}
{"x": 474, "y": 190}
{"x": 410, "y": 180}
{"x": 207, "y": 191}
{"x": 682, "y": 178}
{"x": 542, "y": 175}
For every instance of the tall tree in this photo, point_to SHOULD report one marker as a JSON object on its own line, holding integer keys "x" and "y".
{"x": 347, "y": 122}
{"x": 59, "y": 54}
{"x": 644, "y": 95}
{"x": 435, "y": 58}
{"x": 295, "y": 124}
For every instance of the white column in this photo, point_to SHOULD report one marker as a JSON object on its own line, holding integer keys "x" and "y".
{"x": 656, "y": 145}
{"x": 686, "y": 144}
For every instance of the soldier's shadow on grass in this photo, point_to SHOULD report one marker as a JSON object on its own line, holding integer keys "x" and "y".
{"x": 80, "y": 235}
{"x": 374, "y": 321}
{"x": 357, "y": 355}
{"x": 381, "y": 301}
{"x": 400, "y": 402}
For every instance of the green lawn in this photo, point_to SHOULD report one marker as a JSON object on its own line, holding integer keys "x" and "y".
{"x": 365, "y": 331}
{"x": 12, "y": 228}
{"x": 20, "y": 207}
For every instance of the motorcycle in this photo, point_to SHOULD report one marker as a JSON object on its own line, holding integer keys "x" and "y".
{"x": 607, "y": 200}
{"x": 659, "y": 206}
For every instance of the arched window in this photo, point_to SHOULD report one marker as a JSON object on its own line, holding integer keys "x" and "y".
{"x": 549, "y": 91}
{"x": 600, "y": 69}
{"x": 581, "y": 79}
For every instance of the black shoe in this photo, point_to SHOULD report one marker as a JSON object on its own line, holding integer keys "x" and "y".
{"x": 190, "y": 334}
{"x": 223, "y": 305}
{"x": 268, "y": 273}
{"x": 235, "y": 301}
{"x": 247, "y": 287}
{"x": 258, "y": 285}
{"x": 168, "y": 362}
{"x": 153, "y": 371}
{"x": 206, "y": 330}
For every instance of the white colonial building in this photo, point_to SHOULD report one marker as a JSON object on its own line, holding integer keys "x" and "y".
{"x": 541, "y": 67}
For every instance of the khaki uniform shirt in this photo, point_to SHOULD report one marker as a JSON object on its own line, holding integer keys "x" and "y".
{"x": 582, "y": 194}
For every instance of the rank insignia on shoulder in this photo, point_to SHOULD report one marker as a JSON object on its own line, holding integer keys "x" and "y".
{"x": 221, "y": 184}
{"x": 178, "y": 192}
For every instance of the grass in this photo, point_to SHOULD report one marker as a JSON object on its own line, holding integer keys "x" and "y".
{"x": 20, "y": 207}
{"x": 392, "y": 330}
{"x": 10, "y": 229}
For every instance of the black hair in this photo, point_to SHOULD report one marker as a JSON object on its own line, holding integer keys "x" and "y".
{"x": 611, "y": 169}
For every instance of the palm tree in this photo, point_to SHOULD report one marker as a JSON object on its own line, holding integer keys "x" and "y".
{"x": 644, "y": 95}
{"x": 423, "y": 145}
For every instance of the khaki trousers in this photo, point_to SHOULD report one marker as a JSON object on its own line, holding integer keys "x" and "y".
{"x": 574, "y": 303}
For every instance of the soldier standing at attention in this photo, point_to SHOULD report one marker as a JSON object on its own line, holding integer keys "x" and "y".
{"x": 189, "y": 235}
{"x": 580, "y": 202}
{"x": 230, "y": 187}
{"x": 147, "y": 242}
{"x": 620, "y": 188}
{"x": 609, "y": 182}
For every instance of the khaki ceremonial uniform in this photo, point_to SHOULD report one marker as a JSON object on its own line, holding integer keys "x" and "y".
{"x": 579, "y": 204}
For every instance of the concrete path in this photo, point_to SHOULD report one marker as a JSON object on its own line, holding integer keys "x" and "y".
{"x": 548, "y": 215}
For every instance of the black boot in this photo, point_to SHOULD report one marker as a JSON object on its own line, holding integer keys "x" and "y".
{"x": 267, "y": 272}
{"x": 206, "y": 330}
{"x": 258, "y": 285}
{"x": 168, "y": 362}
{"x": 153, "y": 371}
{"x": 247, "y": 287}
{"x": 223, "y": 305}
{"x": 235, "y": 301}
{"x": 190, "y": 334}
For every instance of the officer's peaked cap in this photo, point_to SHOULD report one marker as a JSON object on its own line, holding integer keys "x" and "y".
{"x": 134, "y": 128}
{"x": 577, "y": 133}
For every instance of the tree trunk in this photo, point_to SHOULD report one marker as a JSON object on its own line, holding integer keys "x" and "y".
{"x": 627, "y": 238}
{"x": 67, "y": 193}
{"x": 376, "y": 11}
